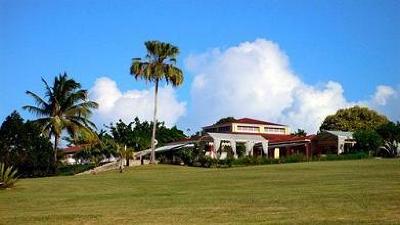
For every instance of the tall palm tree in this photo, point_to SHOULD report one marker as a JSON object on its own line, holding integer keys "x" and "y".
{"x": 159, "y": 64}
{"x": 65, "y": 106}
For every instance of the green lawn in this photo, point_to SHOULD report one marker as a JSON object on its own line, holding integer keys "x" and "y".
{"x": 335, "y": 192}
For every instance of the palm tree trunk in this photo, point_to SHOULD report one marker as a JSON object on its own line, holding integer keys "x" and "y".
{"x": 56, "y": 142}
{"x": 153, "y": 136}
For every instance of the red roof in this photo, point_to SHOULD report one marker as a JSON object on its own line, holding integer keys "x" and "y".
{"x": 72, "y": 149}
{"x": 248, "y": 121}
{"x": 253, "y": 121}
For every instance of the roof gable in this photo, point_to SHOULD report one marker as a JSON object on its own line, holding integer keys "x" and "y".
{"x": 338, "y": 133}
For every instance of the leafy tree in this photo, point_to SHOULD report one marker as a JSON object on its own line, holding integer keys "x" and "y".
{"x": 390, "y": 133}
{"x": 354, "y": 118}
{"x": 225, "y": 120}
{"x": 96, "y": 148}
{"x": 137, "y": 134}
{"x": 159, "y": 64}
{"x": 125, "y": 153}
{"x": 367, "y": 140}
{"x": 300, "y": 133}
{"x": 64, "y": 107}
{"x": 23, "y": 146}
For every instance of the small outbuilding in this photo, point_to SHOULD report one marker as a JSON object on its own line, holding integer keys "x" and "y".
{"x": 334, "y": 142}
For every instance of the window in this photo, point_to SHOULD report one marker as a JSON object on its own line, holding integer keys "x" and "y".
{"x": 274, "y": 130}
{"x": 224, "y": 129}
{"x": 248, "y": 129}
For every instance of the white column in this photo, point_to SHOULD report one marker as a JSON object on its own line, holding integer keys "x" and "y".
{"x": 217, "y": 144}
{"x": 249, "y": 147}
{"x": 276, "y": 153}
{"x": 265, "y": 148}
{"x": 340, "y": 145}
{"x": 233, "y": 146}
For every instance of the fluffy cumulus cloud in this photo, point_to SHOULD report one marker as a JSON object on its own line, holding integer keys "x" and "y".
{"x": 383, "y": 94}
{"x": 387, "y": 100}
{"x": 115, "y": 104}
{"x": 254, "y": 79}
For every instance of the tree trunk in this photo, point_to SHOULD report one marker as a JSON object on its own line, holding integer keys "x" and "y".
{"x": 126, "y": 157}
{"x": 153, "y": 136}
{"x": 56, "y": 142}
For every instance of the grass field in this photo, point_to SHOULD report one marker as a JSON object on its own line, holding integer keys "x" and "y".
{"x": 336, "y": 192}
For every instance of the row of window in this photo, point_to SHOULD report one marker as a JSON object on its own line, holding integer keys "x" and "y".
{"x": 257, "y": 129}
{"x": 274, "y": 130}
{"x": 248, "y": 128}
{"x": 271, "y": 130}
{"x": 219, "y": 129}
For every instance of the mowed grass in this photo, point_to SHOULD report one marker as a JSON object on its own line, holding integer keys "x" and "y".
{"x": 340, "y": 192}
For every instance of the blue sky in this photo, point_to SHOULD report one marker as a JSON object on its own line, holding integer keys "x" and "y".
{"x": 354, "y": 43}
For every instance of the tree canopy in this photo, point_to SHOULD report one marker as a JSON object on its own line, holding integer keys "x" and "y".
{"x": 354, "y": 118}
{"x": 65, "y": 107}
{"x": 300, "y": 133}
{"x": 390, "y": 133}
{"x": 137, "y": 134}
{"x": 367, "y": 140}
{"x": 225, "y": 120}
{"x": 24, "y": 147}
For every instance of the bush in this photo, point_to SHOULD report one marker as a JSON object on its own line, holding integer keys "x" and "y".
{"x": 349, "y": 156}
{"x": 294, "y": 158}
{"x": 186, "y": 155}
{"x": 367, "y": 141}
{"x": 8, "y": 176}
{"x": 390, "y": 134}
{"x": 206, "y": 161}
{"x": 250, "y": 160}
{"x": 67, "y": 170}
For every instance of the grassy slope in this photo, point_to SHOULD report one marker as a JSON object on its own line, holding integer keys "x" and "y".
{"x": 341, "y": 192}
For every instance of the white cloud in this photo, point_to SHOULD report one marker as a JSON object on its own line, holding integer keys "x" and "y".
{"x": 254, "y": 79}
{"x": 115, "y": 105}
{"x": 387, "y": 100}
{"x": 382, "y": 94}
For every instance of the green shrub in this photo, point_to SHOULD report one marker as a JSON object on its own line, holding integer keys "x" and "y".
{"x": 8, "y": 176}
{"x": 367, "y": 141}
{"x": 294, "y": 158}
{"x": 251, "y": 160}
{"x": 349, "y": 156}
{"x": 67, "y": 170}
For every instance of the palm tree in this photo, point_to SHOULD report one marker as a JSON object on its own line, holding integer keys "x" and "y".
{"x": 159, "y": 64}
{"x": 65, "y": 106}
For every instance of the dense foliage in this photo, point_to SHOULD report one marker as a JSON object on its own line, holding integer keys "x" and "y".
{"x": 225, "y": 120}
{"x": 354, "y": 118}
{"x": 367, "y": 141}
{"x": 390, "y": 133}
{"x": 300, "y": 133}
{"x": 137, "y": 134}
{"x": 23, "y": 146}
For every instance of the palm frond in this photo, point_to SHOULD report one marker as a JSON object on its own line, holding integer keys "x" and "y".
{"x": 49, "y": 91}
{"x": 39, "y": 112}
{"x": 38, "y": 100}
{"x": 158, "y": 64}
{"x": 82, "y": 109}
